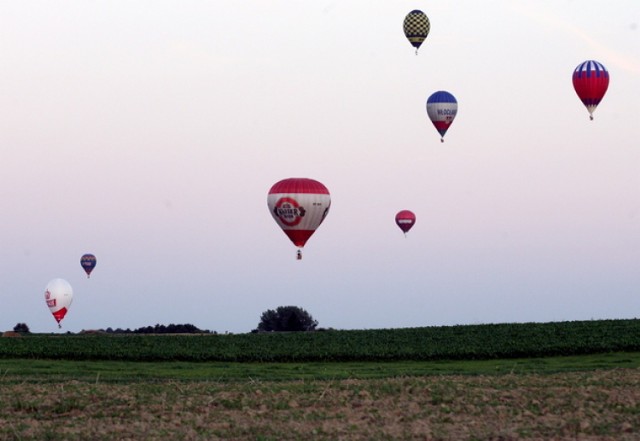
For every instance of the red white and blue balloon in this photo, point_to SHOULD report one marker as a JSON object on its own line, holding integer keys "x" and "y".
{"x": 299, "y": 206}
{"x": 442, "y": 108}
{"x": 590, "y": 81}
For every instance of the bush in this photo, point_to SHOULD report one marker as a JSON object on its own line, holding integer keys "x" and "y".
{"x": 286, "y": 319}
{"x": 22, "y": 328}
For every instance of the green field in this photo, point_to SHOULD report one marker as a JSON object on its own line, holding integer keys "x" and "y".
{"x": 102, "y": 371}
{"x": 571, "y": 380}
{"x": 477, "y": 342}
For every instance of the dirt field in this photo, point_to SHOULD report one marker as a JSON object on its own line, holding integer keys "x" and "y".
{"x": 598, "y": 405}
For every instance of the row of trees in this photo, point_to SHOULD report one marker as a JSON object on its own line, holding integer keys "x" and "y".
{"x": 281, "y": 319}
{"x": 159, "y": 329}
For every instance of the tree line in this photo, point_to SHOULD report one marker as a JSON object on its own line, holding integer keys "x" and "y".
{"x": 281, "y": 319}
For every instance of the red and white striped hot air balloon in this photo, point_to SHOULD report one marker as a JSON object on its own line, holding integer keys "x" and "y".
{"x": 405, "y": 219}
{"x": 58, "y": 294}
{"x": 299, "y": 205}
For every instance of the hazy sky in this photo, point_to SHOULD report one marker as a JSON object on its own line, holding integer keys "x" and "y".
{"x": 149, "y": 133}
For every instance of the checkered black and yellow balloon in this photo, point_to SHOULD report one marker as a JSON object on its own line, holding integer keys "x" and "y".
{"x": 416, "y": 27}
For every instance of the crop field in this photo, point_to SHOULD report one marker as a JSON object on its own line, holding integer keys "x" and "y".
{"x": 475, "y": 342}
{"x": 573, "y": 380}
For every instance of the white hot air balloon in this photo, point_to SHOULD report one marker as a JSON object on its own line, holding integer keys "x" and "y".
{"x": 58, "y": 295}
{"x": 299, "y": 205}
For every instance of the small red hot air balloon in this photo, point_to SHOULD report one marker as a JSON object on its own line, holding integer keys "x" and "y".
{"x": 405, "y": 219}
{"x": 591, "y": 81}
{"x": 299, "y": 205}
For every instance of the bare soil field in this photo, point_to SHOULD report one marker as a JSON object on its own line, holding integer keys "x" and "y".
{"x": 593, "y": 405}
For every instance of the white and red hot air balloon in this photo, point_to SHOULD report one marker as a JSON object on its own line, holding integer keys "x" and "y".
{"x": 299, "y": 205}
{"x": 58, "y": 294}
{"x": 405, "y": 219}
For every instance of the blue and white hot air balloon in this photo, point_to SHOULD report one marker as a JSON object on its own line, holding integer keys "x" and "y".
{"x": 442, "y": 108}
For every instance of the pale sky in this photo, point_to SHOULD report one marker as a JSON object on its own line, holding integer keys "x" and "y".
{"x": 149, "y": 133}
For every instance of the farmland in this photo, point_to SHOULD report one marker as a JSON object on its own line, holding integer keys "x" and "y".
{"x": 477, "y": 342}
{"x": 572, "y": 380}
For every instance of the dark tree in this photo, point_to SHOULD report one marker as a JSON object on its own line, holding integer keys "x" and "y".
{"x": 21, "y": 328}
{"x": 286, "y": 318}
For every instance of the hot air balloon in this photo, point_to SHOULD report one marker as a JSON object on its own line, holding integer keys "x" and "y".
{"x": 405, "y": 219}
{"x": 590, "y": 80}
{"x": 88, "y": 262}
{"x": 416, "y": 28}
{"x": 299, "y": 205}
{"x": 442, "y": 108}
{"x": 58, "y": 295}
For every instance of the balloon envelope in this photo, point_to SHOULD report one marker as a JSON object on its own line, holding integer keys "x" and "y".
{"x": 298, "y": 205}
{"x": 590, "y": 81}
{"x": 442, "y": 109}
{"x": 405, "y": 219}
{"x": 416, "y": 27}
{"x": 58, "y": 294}
{"x": 88, "y": 262}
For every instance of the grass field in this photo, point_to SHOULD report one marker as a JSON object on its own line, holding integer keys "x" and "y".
{"x": 55, "y": 371}
{"x": 588, "y": 396}
{"x": 584, "y": 397}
